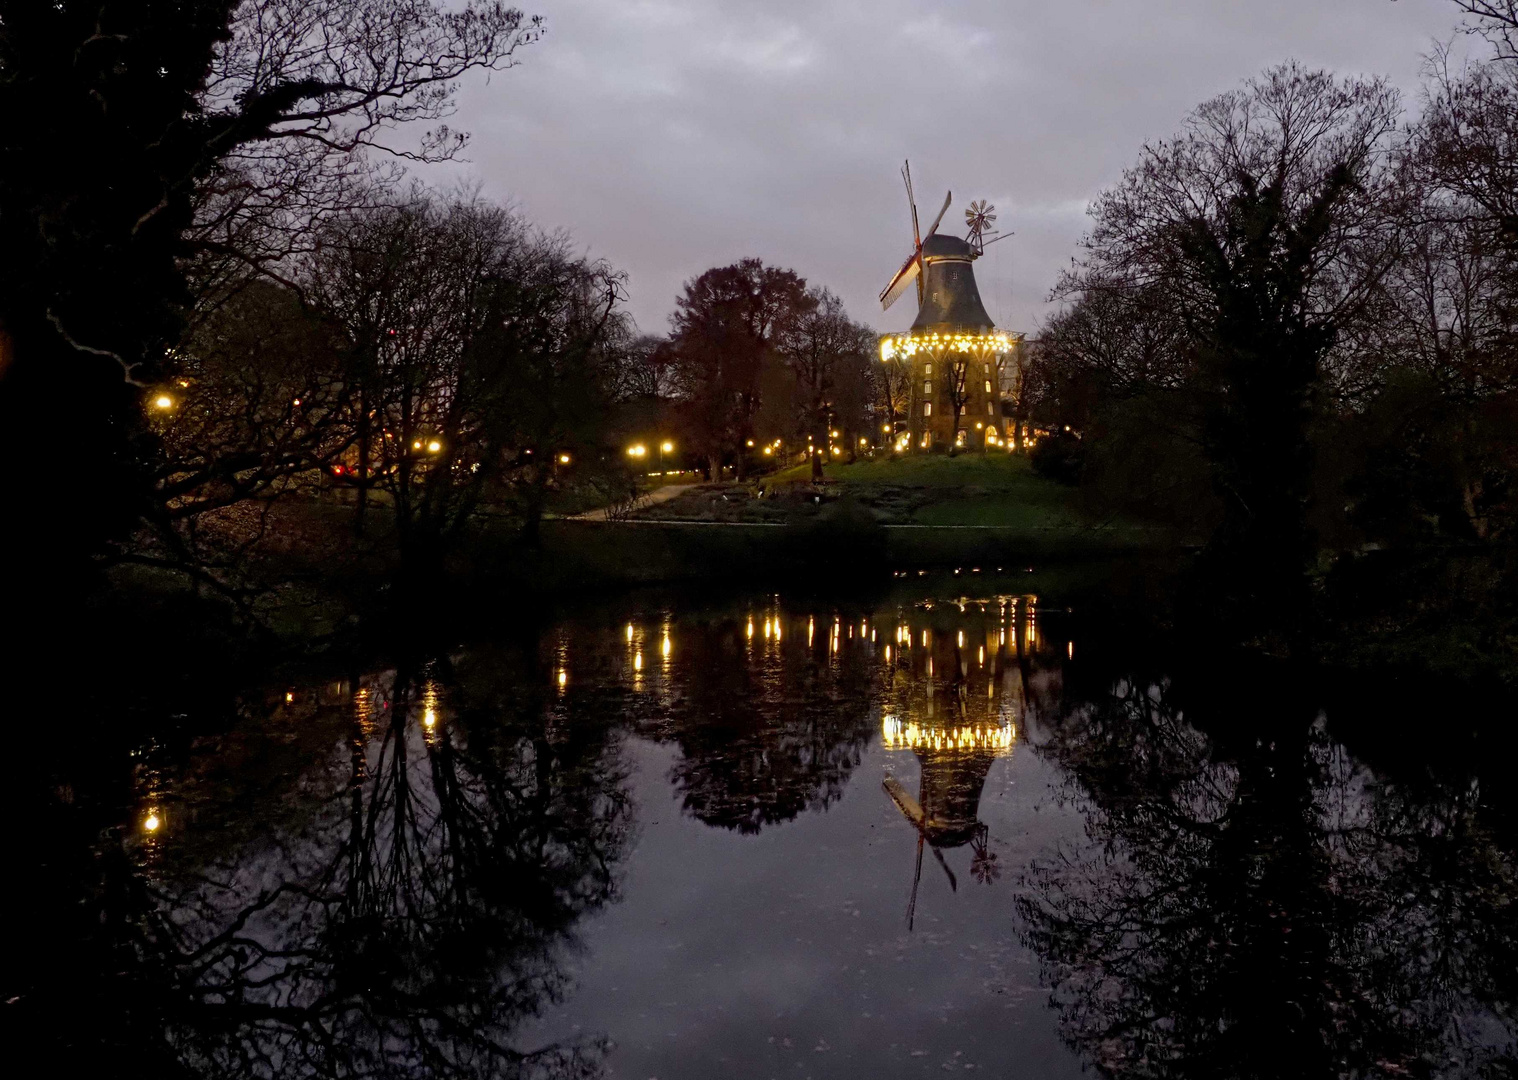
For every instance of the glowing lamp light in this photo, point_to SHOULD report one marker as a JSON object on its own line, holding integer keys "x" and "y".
{"x": 769, "y": 450}
{"x": 295, "y": 402}
{"x": 637, "y": 451}
{"x": 563, "y": 459}
{"x": 289, "y": 697}
{"x": 434, "y": 446}
{"x": 667, "y": 446}
{"x": 834, "y": 434}
{"x": 163, "y": 401}
{"x": 152, "y": 822}
{"x": 417, "y": 445}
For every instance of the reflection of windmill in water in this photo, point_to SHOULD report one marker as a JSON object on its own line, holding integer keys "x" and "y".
{"x": 956, "y": 739}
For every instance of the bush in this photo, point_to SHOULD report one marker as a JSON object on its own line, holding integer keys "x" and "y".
{"x": 1060, "y": 457}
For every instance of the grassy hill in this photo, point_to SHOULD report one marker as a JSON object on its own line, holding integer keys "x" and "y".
{"x": 991, "y": 490}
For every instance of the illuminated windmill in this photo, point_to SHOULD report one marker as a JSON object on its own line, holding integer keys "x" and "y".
{"x": 955, "y": 349}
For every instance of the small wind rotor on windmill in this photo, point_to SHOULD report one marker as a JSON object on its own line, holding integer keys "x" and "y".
{"x": 912, "y": 269}
{"x": 980, "y": 216}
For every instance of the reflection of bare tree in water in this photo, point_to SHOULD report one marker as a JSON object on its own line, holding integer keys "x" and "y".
{"x": 1269, "y": 908}
{"x": 762, "y": 744}
{"x": 411, "y": 926}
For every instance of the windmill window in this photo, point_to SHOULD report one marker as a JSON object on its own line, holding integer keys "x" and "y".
{"x": 927, "y": 408}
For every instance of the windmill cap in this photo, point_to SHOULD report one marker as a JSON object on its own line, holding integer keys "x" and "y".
{"x": 943, "y": 246}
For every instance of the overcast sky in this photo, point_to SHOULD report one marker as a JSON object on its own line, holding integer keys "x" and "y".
{"x": 670, "y": 136}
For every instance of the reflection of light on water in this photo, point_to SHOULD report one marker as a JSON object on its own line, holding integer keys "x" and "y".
{"x": 152, "y": 822}
{"x": 750, "y": 629}
{"x": 982, "y": 658}
{"x": 563, "y": 678}
{"x": 888, "y": 654}
{"x": 629, "y": 631}
{"x": 638, "y": 661}
{"x": 665, "y": 646}
{"x": 431, "y": 700}
{"x": 909, "y": 735}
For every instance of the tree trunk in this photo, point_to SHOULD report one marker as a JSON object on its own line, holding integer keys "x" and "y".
{"x": 361, "y": 502}
{"x": 537, "y": 498}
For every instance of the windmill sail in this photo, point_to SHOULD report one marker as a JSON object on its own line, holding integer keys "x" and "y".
{"x": 912, "y": 268}
{"x": 904, "y": 277}
{"x": 947, "y": 199}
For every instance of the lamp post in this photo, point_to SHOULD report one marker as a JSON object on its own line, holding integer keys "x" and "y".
{"x": 664, "y": 447}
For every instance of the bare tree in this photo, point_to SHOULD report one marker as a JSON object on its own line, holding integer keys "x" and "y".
{"x": 480, "y": 352}
{"x": 1264, "y": 229}
{"x": 822, "y": 349}
{"x": 229, "y": 129}
{"x": 894, "y": 382}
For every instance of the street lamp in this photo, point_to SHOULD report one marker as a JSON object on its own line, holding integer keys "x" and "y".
{"x": 665, "y": 447}
{"x": 163, "y": 401}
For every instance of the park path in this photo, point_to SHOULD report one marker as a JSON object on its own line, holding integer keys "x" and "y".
{"x": 653, "y": 498}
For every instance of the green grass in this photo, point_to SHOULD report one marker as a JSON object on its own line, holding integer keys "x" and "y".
{"x": 994, "y": 489}
{"x": 995, "y": 470}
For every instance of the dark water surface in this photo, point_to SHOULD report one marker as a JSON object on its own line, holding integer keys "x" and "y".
{"x": 947, "y": 830}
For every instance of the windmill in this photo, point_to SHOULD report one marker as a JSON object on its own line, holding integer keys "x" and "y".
{"x": 955, "y": 349}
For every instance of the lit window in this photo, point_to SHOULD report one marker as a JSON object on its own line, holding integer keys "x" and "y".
{"x": 988, "y": 386}
{"x": 927, "y": 408}
{"x": 990, "y": 411}
{"x": 927, "y": 388}
{"x": 927, "y": 369}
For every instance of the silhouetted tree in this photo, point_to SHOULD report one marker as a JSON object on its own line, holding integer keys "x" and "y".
{"x": 120, "y": 125}
{"x": 726, "y": 328}
{"x": 828, "y": 356}
{"x": 1262, "y": 231}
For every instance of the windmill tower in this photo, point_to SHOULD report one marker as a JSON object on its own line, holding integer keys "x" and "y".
{"x": 955, "y": 351}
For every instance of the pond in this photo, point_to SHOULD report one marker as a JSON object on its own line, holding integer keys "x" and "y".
{"x": 952, "y": 827}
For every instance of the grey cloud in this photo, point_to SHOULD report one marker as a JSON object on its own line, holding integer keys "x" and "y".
{"x": 673, "y": 136}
